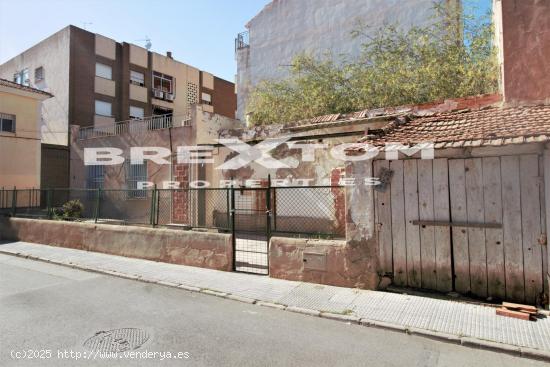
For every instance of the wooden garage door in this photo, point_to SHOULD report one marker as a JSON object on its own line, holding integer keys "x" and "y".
{"x": 507, "y": 262}
{"x": 502, "y": 263}
{"x": 418, "y": 256}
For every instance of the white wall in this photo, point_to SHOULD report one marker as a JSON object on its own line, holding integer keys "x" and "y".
{"x": 53, "y": 55}
{"x": 285, "y": 28}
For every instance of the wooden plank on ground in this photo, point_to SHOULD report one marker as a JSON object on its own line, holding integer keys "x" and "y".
{"x": 519, "y": 306}
{"x": 530, "y": 224}
{"x": 410, "y": 184}
{"x": 501, "y": 311}
{"x": 511, "y": 225}
{"x": 426, "y": 212}
{"x": 457, "y": 190}
{"x": 476, "y": 236}
{"x": 442, "y": 234}
{"x": 383, "y": 220}
{"x": 398, "y": 225}
{"x": 492, "y": 196}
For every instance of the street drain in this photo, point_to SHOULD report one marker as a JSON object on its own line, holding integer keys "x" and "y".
{"x": 117, "y": 340}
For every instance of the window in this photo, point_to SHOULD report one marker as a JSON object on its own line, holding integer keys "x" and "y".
{"x": 136, "y": 112}
{"x": 136, "y": 173}
{"x": 22, "y": 77}
{"x": 163, "y": 83}
{"x": 137, "y": 78}
{"x": 103, "y": 108}
{"x": 206, "y": 98}
{"x": 103, "y": 71}
{"x": 7, "y": 123}
{"x": 38, "y": 74}
{"x": 95, "y": 177}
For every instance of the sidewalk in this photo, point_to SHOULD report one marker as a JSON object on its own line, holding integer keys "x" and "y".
{"x": 451, "y": 321}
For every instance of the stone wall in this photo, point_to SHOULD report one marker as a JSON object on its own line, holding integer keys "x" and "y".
{"x": 201, "y": 249}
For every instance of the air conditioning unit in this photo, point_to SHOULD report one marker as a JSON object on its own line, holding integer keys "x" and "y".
{"x": 169, "y": 97}
{"x": 158, "y": 94}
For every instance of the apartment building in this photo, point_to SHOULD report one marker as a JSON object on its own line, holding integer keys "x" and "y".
{"x": 97, "y": 81}
{"x": 20, "y": 135}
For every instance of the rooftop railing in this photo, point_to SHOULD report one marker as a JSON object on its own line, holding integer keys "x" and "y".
{"x": 133, "y": 126}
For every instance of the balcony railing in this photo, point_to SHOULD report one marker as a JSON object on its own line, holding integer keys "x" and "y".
{"x": 133, "y": 126}
{"x": 242, "y": 40}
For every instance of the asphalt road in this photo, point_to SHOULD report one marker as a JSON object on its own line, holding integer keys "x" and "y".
{"x": 49, "y": 311}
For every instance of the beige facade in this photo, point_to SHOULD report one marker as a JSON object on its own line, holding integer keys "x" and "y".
{"x": 20, "y": 146}
{"x": 186, "y": 88}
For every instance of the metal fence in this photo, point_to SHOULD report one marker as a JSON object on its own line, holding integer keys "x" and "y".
{"x": 314, "y": 211}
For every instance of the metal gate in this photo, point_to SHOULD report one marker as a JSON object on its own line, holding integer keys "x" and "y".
{"x": 250, "y": 223}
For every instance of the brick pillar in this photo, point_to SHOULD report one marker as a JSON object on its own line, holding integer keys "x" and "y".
{"x": 180, "y": 198}
{"x": 339, "y": 200}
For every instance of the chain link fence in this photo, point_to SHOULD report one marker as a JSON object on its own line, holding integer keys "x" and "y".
{"x": 313, "y": 211}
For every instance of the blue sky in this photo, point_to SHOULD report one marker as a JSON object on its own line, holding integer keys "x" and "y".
{"x": 198, "y": 32}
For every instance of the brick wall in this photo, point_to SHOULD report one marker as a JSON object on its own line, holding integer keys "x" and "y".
{"x": 180, "y": 199}
{"x": 339, "y": 201}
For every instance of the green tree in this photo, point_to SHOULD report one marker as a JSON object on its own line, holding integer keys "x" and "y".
{"x": 452, "y": 57}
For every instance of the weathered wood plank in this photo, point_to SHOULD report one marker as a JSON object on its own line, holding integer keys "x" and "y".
{"x": 457, "y": 189}
{"x": 492, "y": 196}
{"x": 545, "y": 206}
{"x": 530, "y": 224}
{"x": 426, "y": 212}
{"x": 476, "y": 236}
{"x": 442, "y": 234}
{"x": 511, "y": 225}
{"x": 398, "y": 225}
{"x": 410, "y": 184}
{"x": 383, "y": 220}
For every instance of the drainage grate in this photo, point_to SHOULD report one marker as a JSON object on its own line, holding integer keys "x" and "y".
{"x": 117, "y": 340}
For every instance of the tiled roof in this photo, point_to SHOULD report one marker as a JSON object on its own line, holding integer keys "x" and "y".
{"x": 426, "y": 109}
{"x": 7, "y": 83}
{"x": 488, "y": 126}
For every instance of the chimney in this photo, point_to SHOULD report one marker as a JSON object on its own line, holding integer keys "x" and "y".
{"x": 169, "y": 54}
{"x": 522, "y": 35}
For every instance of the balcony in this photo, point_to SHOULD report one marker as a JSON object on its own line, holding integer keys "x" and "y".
{"x": 133, "y": 126}
{"x": 242, "y": 41}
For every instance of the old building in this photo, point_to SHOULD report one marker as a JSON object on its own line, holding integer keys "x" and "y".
{"x": 285, "y": 28}
{"x": 20, "y": 135}
{"x": 97, "y": 81}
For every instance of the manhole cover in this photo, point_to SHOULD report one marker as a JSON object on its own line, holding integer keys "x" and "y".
{"x": 117, "y": 340}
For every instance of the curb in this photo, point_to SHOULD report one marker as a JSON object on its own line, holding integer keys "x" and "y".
{"x": 469, "y": 342}
{"x": 305, "y": 311}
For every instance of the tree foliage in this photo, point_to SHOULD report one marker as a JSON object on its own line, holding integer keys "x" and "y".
{"x": 454, "y": 56}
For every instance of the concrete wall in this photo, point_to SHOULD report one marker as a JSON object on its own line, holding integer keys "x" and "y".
{"x": 53, "y": 55}
{"x": 321, "y": 261}
{"x": 20, "y": 151}
{"x": 206, "y": 250}
{"x": 285, "y": 28}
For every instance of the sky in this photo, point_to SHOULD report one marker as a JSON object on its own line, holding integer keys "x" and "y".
{"x": 200, "y": 33}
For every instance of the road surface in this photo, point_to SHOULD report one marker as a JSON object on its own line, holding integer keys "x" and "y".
{"x": 51, "y": 313}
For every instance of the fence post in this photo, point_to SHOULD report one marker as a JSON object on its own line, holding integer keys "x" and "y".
{"x": 14, "y": 202}
{"x": 152, "y": 209}
{"x": 157, "y": 211}
{"x": 49, "y": 209}
{"x": 268, "y": 210}
{"x": 233, "y": 235}
{"x": 227, "y": 205}
{"x": 97, "y": 204}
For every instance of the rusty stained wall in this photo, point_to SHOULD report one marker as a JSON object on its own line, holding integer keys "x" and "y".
{"x": 523, "y": 36}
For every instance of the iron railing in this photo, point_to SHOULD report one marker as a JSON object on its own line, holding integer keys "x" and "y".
{"x": 133, "y": 126}
{"x": 313, "y": 211}
{"x": 242, "y": 40}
